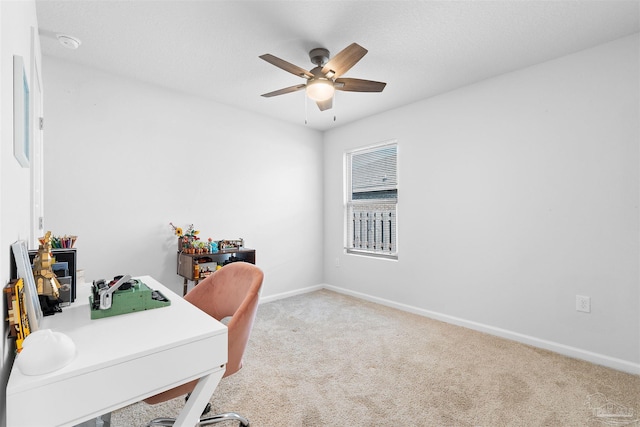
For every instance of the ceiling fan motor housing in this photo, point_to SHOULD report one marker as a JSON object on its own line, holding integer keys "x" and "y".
{"x": 319, "y": 56}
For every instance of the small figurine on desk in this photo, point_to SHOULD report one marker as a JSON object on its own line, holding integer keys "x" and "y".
{"x": 46, "y": 281}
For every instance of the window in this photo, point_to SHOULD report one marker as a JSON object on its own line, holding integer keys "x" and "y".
{"x": 371, "y": 202}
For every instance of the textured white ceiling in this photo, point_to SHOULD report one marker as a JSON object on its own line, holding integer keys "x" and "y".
{"x": 420, "y": 48}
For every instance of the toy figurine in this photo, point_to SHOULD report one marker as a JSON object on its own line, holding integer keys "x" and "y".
{"x": 45, "y": 279}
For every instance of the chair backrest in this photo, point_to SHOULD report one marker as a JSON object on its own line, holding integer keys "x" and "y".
{"x": 233, "y": 291}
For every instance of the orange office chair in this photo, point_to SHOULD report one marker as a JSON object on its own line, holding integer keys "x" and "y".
{"x": 231, "y": 291}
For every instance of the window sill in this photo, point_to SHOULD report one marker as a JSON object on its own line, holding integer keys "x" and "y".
{"x": 370, "y": 254}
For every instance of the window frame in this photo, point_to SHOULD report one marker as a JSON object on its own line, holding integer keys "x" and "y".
{"x": 349, "y": 202}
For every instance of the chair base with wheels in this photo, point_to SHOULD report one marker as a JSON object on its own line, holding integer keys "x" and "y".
{"x": 204, "y": 421}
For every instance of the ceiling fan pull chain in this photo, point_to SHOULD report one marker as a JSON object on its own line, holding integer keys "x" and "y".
{"x": 334, "y": 105}
{"x": 306, "y": 115}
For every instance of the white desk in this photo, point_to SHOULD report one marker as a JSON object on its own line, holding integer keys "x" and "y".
{"x": 121, "y": 360}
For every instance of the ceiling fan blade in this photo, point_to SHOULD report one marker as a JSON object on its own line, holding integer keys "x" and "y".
{"x": 325, "y": 105}
{"x": 344, "y": 60}
{"x": 285, "y": 90}
{"x": 358, "y": 85}
{"x": 287, "y": 66}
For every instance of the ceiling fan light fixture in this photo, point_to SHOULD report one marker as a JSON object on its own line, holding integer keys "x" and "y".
{"x": 320, "y": 89}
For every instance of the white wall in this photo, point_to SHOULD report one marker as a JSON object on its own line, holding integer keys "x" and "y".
{"x": 123, "y": 159}
{"x": 515, "y": 195}
{"x": 16, "y": 20}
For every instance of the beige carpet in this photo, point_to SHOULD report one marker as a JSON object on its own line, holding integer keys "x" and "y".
{"x": 325, "y": 359}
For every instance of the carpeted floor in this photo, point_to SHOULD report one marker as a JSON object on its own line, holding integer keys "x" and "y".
{"x": 326, "y": 359}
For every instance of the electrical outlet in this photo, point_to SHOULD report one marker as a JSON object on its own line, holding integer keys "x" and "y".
{"x": 337, "y": 261}
{"x": 583, "y": 303}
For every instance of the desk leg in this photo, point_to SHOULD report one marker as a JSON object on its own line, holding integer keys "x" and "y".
{"x": 192, "y": 410}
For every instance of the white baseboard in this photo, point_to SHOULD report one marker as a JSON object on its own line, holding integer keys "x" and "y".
{"x": 599, "y": 359}
{"x": 290, "y": 293}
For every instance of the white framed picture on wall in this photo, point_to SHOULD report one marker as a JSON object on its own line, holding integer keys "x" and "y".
{"x": 21, "y": 113}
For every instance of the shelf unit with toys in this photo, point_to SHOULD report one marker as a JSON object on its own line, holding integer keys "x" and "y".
{"x": 196, "y": 267}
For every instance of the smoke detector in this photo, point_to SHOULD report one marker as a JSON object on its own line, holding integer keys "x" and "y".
{"x": 68, "y": 41}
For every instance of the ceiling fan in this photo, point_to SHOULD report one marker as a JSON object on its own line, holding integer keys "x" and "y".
{"x": 324, "y": 79}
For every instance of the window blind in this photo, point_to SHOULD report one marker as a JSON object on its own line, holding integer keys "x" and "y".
{"x": 374, "y": 171}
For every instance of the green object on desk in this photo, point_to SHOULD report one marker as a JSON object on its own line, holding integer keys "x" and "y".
{"x": 138, "y": 297}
